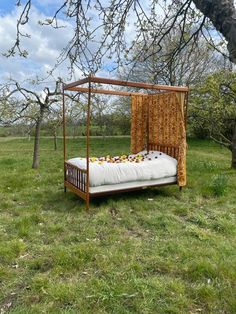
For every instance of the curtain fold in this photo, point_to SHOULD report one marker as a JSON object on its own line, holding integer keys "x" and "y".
{"x": 159, "y": 119}
{"x": 139, "y": 107}
{"x": 182, "y": 175}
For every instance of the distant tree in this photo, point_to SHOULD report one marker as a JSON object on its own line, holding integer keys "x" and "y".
{"x": 53, "y": 122}
{"x": 101, "y": 111}
{"x": 76, "y": 113}
{"x": 18, "y": 102}
{"x": 122, "y": 114}
{"x": 185, "y": 69}
{"x": 29, "y": 124}
{"x": 213, "y": 109}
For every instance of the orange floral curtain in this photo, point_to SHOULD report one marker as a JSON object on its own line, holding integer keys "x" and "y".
{"x": 139, "y": 110}
{"x": 163, "y": 116}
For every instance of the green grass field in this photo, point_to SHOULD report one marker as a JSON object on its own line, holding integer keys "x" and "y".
{"x": 153, "y": 251}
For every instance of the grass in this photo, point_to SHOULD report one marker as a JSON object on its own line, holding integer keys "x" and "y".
{"x": 154, "y": 251}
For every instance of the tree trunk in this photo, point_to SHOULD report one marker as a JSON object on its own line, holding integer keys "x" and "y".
{"x": 35, "y": 164}
{"x": 234, "y": 148}
{"x": 55, "y": 140}
{"x": 222, "y": 14}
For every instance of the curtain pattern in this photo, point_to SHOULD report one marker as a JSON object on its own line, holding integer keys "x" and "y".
{"x": 139, "y": 106}
{"x": 163, "y": 114}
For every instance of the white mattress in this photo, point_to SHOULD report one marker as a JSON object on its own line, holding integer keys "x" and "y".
{"x": 155, "y": 166}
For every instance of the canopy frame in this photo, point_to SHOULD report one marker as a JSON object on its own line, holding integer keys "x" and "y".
{"x": 76, "y": 86}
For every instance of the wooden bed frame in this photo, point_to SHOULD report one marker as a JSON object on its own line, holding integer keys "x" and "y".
{"x": 76, "y": 179}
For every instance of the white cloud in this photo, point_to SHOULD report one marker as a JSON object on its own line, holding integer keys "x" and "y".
{"x": 43, "y": 47}
{"x": 45, "y": 44}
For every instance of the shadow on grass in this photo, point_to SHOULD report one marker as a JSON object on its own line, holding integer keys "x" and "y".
{"x": 60, "y": 201}
{"x": 129, "y": 197}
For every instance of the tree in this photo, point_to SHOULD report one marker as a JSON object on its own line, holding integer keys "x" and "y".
{"x": 53, "y": 122}
{"x": 101, "y": 112}
{"x": 18, "y": 102}
{"x": 213, "y": 109}
{"x": 222, "y": 14}
{"x": 101, "y": 29}
{"x": 186, "y": 69}
{"x": 29, "y": 124}
{"x": 104, "y": 25}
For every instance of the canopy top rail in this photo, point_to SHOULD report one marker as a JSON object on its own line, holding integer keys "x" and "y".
{"x": 100, "y": 80}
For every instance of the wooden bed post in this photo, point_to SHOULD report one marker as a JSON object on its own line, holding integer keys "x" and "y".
{"x": 148, "y": 107}
{"x": 185, "y": 109}
{"x": 64, "y": 132}
{"x": 88, "y": 143}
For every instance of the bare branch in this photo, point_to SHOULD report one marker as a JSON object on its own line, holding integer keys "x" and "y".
{"x": 101, "y": 29}
{"x": 23, "y": 19}
{"x": 225, "y": 144}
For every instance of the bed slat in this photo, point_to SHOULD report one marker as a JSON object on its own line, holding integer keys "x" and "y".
{"x": 76, "y": 176}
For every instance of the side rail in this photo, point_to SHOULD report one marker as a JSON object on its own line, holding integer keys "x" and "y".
{"x": 172, "y": 151}
{"x": 76, "y": 176}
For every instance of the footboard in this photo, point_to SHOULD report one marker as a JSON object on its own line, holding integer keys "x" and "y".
{"x": 76, "y": 179}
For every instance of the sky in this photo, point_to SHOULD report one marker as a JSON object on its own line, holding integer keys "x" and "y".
{"x": 43, "y": 47}
{"x": 45, "y": 44}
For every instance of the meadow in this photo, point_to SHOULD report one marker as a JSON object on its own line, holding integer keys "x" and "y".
{"x": 154, "y": 251}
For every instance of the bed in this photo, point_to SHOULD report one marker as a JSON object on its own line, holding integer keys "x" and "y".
{"x": 143, "y": 166}
{"x": 158, "y": 124}
{"x": 120, "y": 173}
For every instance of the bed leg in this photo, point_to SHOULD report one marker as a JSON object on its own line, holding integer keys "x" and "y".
{"x": 87, "y": 203}
{"x": 180, "y": 188}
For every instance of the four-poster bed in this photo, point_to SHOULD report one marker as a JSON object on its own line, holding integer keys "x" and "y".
{"x": 158, "y": 142}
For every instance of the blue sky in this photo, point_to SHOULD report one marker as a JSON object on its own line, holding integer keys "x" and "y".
{"x": 46, "y": 43}
{"x": 45, "y": 6}
{"x": 43, "y": 47}
{"x": 6, "y": 6}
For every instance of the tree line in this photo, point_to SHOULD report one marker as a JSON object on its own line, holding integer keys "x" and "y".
{"x": 177, "y": 48}
{"x": 211, "y": 114}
